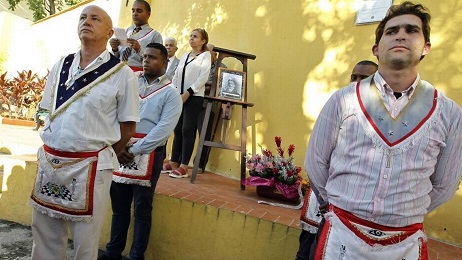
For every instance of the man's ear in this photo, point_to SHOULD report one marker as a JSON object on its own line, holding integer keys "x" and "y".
{"x": 426, "y": 49}
{"x": 110, "y": 33}
{"x": 375, "y": 50}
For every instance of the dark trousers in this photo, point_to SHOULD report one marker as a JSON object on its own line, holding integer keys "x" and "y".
{"x": 185, "y": 131}
{"x": 122, "y": 196}
{"x": 316, "y": 239}
{"x": 306, "y": 241}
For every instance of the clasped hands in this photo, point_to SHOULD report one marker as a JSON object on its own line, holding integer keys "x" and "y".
{"x": 125, "y": 156}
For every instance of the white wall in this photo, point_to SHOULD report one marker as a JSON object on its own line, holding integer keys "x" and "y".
{"x": 39, "y": 46}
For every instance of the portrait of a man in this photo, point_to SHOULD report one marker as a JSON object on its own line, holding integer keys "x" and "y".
{"x": 231, "y": 85}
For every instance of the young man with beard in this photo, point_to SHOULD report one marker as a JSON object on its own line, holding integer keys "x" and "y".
{"x": 141, "y": 162}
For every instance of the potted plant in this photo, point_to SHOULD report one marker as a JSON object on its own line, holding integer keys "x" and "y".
{"x": 275, "y": 176}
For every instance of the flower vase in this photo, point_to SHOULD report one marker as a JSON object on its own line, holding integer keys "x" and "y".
{"x": 272, "y": 193}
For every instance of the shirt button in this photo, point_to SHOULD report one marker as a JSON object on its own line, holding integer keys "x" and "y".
{"x": 385, "y": 176}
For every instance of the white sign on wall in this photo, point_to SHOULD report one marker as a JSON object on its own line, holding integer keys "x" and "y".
{"x": 372, "y": 11}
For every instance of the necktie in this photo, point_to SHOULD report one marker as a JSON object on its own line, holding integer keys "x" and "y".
{"x": 126, "y": 53}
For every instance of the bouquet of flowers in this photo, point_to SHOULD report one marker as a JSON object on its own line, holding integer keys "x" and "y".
{"x": 276, "y": 171}
{"x": 285, "y": 169}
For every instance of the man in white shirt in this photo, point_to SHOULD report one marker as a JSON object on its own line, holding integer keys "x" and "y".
{"x": 92, "y": 99}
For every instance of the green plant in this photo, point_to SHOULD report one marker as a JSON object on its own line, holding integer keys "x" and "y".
{"x": 21, "y": 94}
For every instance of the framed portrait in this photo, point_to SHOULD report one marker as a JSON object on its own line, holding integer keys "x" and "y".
{"x": 230, "y": 84}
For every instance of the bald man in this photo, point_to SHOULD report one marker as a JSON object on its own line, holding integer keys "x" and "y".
{"x": 92, "y": 99}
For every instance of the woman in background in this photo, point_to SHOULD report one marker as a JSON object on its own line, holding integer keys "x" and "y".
{"x": 190, "y": 78}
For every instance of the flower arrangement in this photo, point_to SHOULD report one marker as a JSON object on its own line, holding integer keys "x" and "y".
{"x": 277, "y": 171}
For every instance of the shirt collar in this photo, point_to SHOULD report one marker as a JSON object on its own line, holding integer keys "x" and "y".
{"x": 383, "y": 87}
{"x": 153, "y": 83}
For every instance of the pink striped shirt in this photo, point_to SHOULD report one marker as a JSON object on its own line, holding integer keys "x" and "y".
{"x": 354, "y": 162}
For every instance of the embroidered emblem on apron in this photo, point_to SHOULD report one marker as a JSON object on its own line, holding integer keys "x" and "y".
{"x": 64, "y": 184}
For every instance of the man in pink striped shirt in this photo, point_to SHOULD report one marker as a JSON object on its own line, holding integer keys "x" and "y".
{"x": 386, "y": 151}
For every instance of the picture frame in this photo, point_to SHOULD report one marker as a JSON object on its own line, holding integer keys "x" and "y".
{"x": 230, "y": 84}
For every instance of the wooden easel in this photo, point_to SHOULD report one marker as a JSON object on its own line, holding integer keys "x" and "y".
{"x": 242, "y": 57}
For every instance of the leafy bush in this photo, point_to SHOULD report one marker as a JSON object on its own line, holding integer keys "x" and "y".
{"x": 20, "y": 95}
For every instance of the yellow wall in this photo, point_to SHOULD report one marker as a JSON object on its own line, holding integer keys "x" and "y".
{"x": 305, "y": 51}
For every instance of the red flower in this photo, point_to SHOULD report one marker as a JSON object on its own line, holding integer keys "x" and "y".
{"x": 280, "y": 152}
{"x": 290, "y": 173}
{"x": 267, "y": 153}
{"x": 291, "y": 149}
{"x": 278, "y": 140}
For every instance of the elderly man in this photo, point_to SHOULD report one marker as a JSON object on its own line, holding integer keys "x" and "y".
{"x": 171, "y": 46}
{"x": 92, "y": 99}
{"x": 386, "y": 151}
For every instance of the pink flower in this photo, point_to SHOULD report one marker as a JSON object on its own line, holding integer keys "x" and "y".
{"x": 257, "y": 158}
{"x": 278, "y": 140}
{"x": 250, "y": 166}
{"x": 259, "y": 167}
{"x": 291, "y": 149}
{"x": 269, "y": 165}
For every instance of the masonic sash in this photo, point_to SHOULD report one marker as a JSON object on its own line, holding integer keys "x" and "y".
{"x": 64, "y": 184}
{"x": 66, "y": 95}
{"x": 138, "y": 171}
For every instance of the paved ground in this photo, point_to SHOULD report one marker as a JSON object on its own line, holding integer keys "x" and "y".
{"x": 16, "y": 241}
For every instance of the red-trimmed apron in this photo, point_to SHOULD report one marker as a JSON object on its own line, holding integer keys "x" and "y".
{"x": 310, "y": 215}
{"x": 64, "y": 184}
{"x": 345, "y": 236}
{"x": 139, "y": 170}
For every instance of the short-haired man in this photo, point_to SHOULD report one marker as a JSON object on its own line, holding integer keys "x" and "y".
{"x": 160, "y": 109}
{"x": 170, "y": 44}
{"x": 311, "y": 213}
{"x": 139, "y": 35}
{"x": 362, "y": 70}
{"x": 92, "y": 99}
{"x": 386, "y": 151}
